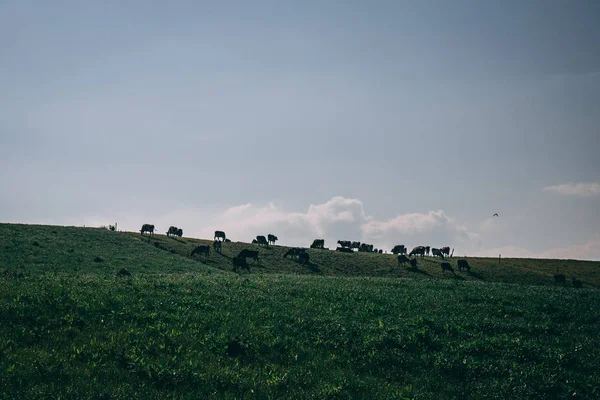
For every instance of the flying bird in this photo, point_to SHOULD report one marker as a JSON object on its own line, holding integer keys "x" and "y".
{"x": 495, "y": 215}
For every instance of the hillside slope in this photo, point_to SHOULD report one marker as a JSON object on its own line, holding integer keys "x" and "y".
{"x": 332, "y": 263}
{"x": 37, "y": 249}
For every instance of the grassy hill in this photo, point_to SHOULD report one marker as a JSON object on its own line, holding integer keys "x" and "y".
{"x": 349, "y": 326}
{"x": 332, "y": 263}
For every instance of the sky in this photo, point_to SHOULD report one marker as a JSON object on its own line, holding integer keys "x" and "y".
{"x": 387, "y": 122}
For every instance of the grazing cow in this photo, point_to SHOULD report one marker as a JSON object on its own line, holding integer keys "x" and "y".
{"x": 375, "y": 251}
{"x": 437, "y": 253}
{"x": 179, "y": 232}
{"x": 246, "y": 253}
{"x": 463, "y": 265}
{"x": 147, "y": 228}
{"x": 202, "y": 249}
{"x": 445, "y": 250}
{"x": 427, "y": 249}
{"x": 294, "y": 252}
{"x": 380, "y": 251}
{"x": 560, "y": 278}
{"x": 261, "y": 240}
{"x": 345, "y": 243}
{"x": 240, "y": 262}
{"x": 355, "y": 245}
{"x": 399, "y": 249}
{"x": 220, "y": 235}
{"x": 218, "y": 246}
{"x": 172, "y": 231}
{"x": 344, "y": 250}
{"x": 577, "y": 283}
{"x": 303, "y": 258}
{"x": 413, "y": 263}
{"x": 318, "y": 244}
{"x": 402, "y": 259}
{"x": 419, "y": 250}
{"x": 272, "y": 239}
{"x": 367, "y": 248}
{"x": 446, "y": 267}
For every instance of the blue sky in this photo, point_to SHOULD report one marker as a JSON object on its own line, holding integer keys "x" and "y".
{"x": 389, "y": 122}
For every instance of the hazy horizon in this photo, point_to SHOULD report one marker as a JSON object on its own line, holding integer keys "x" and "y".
{"x": 389, "y": 122}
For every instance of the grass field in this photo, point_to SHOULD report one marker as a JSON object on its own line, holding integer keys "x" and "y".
{"x": 346, "y": 326}
{"x": 332, "y": 263}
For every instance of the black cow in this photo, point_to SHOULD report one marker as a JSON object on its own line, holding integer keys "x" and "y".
{"x": 355, "y": 245}
{"x": 318, "y": 244}
{"x": 202, "y": 249}
{"x": 419, "y": 250}
{"x": 463, "y": 265}
{"x": 437, "y": 253}
{"x": 272, "y": 239}
{"x": 303, "y": 258}
{"x": 179, "y": 232}
{"x": 240, "y": 262}
{"x": 220, "y": 235}
{"x": 246, "y": 253}
{"x": 427, "y": 248}
{"x": 366, "y": 248}
{"x": 261, "y": 240}
{"x": 294, "y": 252}
{"x": 147, "y": 228}
{"x": 402, "y": 259}
{"x": 413, "y": 263}
{"x": 218, "y": 246}
{"x": 345, "y": 243}
{"x": 446, "y": 267}
{"x": 172, "y": 231}
{"x": 399, "y": 249}
{"x": 445, "y": 250}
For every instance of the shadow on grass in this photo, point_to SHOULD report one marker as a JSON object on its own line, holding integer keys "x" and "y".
{"x": 419, "y": 271}
{"x": 458, "y": 277}
{"x": 475, "y": 275}
{"x": 313, "y": 267}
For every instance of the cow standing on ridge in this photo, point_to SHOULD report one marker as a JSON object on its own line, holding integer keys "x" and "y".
{"x": 419, "y": 250}
{"x": 220, "y": 235}
{"x": 318, "y": 244}
{"x": 271, "y": 239}
{"x": 437, "y": 253}
{"x": 147, "y": 228}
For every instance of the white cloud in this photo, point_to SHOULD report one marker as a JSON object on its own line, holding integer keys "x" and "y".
{"x": 587, "y": 251}
{"x": 337, "y": 219}
{"x": 578, "y": 189}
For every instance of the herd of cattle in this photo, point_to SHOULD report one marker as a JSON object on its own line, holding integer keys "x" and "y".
{"x": 345, "y": 246}
{"x": 300, "y": 254}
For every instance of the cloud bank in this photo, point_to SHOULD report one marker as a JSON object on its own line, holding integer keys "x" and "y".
{"x": 577, "y": 189}
{"x": 337, "y": 219}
